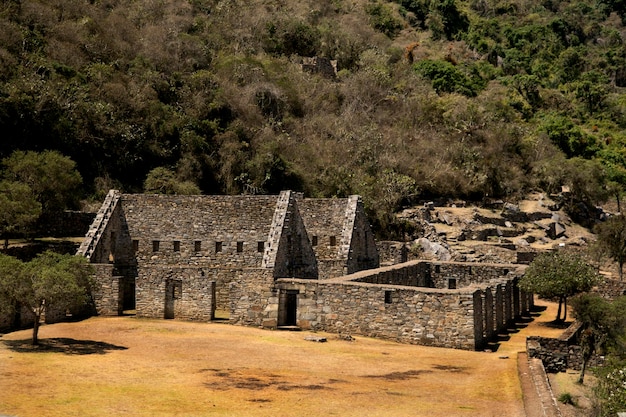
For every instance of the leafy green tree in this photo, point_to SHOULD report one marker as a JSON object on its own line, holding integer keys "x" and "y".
{"x": 445, "y": 77}
{"x": 559, "y": 274}
{"x": 10, "y": 275}
{"x": 162, "y": 180}
{"x": 51, "y": 176}
{"x": 603, "y": 326}
{"x": 48, "y": 281}
{"x": 612, "y": 240}
{"x": 18, "y": 209}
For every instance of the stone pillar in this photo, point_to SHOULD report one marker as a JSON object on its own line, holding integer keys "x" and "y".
{"x": 488, "y": 312}
{"x": 516, "y": 299}
{"x": 508, "y": 302}
{"x": 479, "y": 340}
{"x": 499, "y": 309}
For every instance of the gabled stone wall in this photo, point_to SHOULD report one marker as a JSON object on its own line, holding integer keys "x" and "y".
{"x": 213, "y": 231}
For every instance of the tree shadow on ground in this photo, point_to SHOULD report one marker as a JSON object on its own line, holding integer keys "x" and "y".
{"x": 62, "y": 345}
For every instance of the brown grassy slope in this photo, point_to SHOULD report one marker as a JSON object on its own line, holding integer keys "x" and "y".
{"x": 171, "y": 368}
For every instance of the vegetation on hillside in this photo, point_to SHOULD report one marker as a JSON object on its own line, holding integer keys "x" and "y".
{"x": 452, "y": 98}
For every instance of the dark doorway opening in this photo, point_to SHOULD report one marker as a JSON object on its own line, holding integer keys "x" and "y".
{"x": 173, "y": 291}
{"x": 288, "y": 308}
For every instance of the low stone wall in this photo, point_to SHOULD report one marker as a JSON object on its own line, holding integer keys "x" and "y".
{"x": 403, "y": 314}
{"x": 466, "y": 274}
{"x": 560, "y": 354}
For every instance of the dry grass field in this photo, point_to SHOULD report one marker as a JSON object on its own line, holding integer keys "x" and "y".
{"x": 137, "y": 367}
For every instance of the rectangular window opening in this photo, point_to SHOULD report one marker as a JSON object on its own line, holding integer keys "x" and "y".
{"x": 239, "y": 246}
{"x": 260, "y": 247}
{"x": 451, "y": 283}
{"x": 197, "y": 246}
{"x": 333, "y": 241}
{"x": 388, "y": 298}
{"x": 176, "y": 246}
{"x": 437, "y": 269}
{"x": 314, "y": 241}
{"x": 155, "y": 246}
{"x": 218, "y": 247}
{"x": 135, "y": 246}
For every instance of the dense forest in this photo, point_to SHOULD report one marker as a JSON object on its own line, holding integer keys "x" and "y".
{"x": 432, "y": 98}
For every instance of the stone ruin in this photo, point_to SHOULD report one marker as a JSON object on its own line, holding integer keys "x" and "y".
{"x": 288, "y": 262}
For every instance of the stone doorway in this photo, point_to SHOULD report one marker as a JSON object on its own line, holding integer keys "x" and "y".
{"x": 173, "y": 292}
{"x": 288, "y": 308}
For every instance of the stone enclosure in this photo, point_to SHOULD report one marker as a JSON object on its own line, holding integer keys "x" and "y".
{"x": 288, "y": 262}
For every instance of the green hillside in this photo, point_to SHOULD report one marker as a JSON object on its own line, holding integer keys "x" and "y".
{"x": 432, "y": 98}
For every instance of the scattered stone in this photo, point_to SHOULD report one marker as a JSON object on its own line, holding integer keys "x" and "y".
{"x": 315, "y": 339}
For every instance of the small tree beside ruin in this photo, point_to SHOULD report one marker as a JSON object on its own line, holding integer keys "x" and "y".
{"x": 612, "y": 240}
{"x": 559, "y": 275}
{"x": 48, "y": 281}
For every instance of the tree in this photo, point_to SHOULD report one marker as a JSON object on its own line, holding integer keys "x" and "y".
{"x": 163, "y": 181}
{"x": 18, "y": 208}
{"x": 48, "y": 281}
{"x": 558, "y": 274}
{"x": 51, "y": 176}
{"x": 603, "y": 325}
{"x": 612, "y": 240}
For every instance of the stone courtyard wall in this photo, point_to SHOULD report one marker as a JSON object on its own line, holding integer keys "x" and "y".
{"x": 467, "y": 274}
{"x": 409, "y": 315}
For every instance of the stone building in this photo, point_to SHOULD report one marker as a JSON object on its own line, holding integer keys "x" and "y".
{"x": 177, "y": 256}
{"x": 288, "y": 261}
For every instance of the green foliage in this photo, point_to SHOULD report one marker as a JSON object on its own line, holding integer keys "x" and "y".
{"x": 214, "y": 90}
{"x": 163, "y": 181}
{"x": 52, "y": 177}
{"x": 48, "y": 281}
{"x": 445, "y": 20}
{"x": 292, "y": 37}
{"x": 447, "y": 78}
{"x": 382, "y": 18}
{"x": 610, "y": 387}
{"x": 603, "y": 326}
{"x": 558, "y": 274}
{"x": 18, "y": 208}
{"x": 570, "y": 138}
{"x": 612, "y": 240}
{"x": 567, "y": 398}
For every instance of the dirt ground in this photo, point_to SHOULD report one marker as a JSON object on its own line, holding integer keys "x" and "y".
{"x": 137, "y": 367}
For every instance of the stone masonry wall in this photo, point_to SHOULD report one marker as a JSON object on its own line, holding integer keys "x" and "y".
{"x": 410, "y": 315}
{"x": 466, "y": 274}
{"x": 189, "y": 292}
{"x": 358, "y": 244}
{"x": 211, "y": 231}
{"x": 323, "y": 219}
{"x": 107, "y": 297}
{"x": 253, "y": 299}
